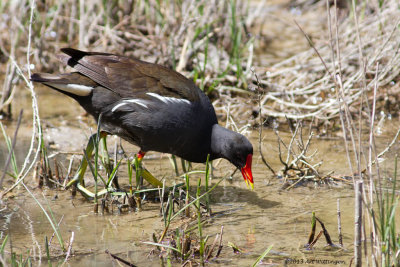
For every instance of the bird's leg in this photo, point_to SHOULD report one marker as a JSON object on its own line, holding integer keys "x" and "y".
{"x": 139, "y": 169}
{"x": 89, "y": 153}
{"x": 78, "y": 178}
{"x": 145, "y": 173}
{"x": 106, "y": 160}
{"x": 140, "y": 174}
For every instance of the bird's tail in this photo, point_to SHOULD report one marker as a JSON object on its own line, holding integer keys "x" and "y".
{"x": 73, "y": 84}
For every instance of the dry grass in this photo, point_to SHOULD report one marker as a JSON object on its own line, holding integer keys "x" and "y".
{"x": 301, "y": 87}
{"x": 176, "y": 34}
{"x": 213, "y": 43}
{"x": 351, "y": 62}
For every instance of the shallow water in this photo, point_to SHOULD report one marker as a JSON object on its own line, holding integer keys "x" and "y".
{"x": 252, "y": 220}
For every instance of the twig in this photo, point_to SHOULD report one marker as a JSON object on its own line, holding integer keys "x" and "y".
{"x": 71, "y": 241}
{"x": 294, "y": 184}
{"x": 315, "y": 172}
{"x": 326, "y": 234}
{"x": 69, "y": 171}
{"x": 220, "y": 242}
{"x": 358, "y": 224}
{"x": 54, "y": 233}
{"x": 315, "y": 240}
{"x": 290, "y": 151}
{"x": 261, "y": 127}
{"x": 339, "y": 223}
{"x": 212, "y": 247}
{"x": 316, "y": 51}
{"x": 302, "y": 153}
{"x": 280, "y": 141}
{"x": 119, "y": 259}
{"x": 386, "y": 149}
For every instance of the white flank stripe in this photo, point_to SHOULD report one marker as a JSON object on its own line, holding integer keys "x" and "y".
{"x": 76, "y": 89}
{"x": 137, "y": 101}
{"x": 117, "y": 106}
{"x": 167, "y": 99}
{"x": 128, "y": 101}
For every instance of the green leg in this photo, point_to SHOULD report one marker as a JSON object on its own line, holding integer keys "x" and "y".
{"x": 150, "y": 178}
{"x": 146, "y": 174}
{"x": 78, "y": 178}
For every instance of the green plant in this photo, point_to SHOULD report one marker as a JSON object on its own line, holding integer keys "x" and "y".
{"x": 386, "y": 221}
{"x": 13, "y": 159}
{"x": 179, "y": 237}
{"x": 236, "y": 38}
{"x": 262, "y": 256}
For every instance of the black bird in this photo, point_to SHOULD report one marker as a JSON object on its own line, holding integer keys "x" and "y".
{"x": 149, "y": 105}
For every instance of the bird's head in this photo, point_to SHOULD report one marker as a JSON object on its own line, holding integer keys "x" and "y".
{"x": 241, "y": 156}
{"x": 236, "y": 148}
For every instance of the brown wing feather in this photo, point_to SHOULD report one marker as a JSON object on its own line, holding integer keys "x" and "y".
{"x": 89, "y": 64}
{"x": 64, "y": 78}
{"x": 130, "y": 77}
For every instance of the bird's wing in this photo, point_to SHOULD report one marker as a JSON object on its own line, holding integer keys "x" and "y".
{"x": 131, "y": 78}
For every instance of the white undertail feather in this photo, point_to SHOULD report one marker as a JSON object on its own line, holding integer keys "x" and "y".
{"x": 76, "y": 89}
{"x": 167, "y": 99}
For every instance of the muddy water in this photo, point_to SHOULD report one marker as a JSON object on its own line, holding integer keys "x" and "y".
{"x": 252, "y": 220}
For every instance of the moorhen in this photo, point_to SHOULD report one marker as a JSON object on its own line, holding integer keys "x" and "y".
{"x": 150, "y": 106}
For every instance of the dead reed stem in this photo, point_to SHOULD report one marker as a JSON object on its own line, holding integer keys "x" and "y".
{"x": 36, "y": 128}
{"x": 358, "y": 223}
{"x": 69, "y": 250}
{"x": 261, "y": 126}
{"x": 339, "y": 223}
{"x": 306, "y": 88}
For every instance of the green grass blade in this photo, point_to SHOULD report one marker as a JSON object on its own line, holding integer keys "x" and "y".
{"x": 262, "y": 256}
{"x": 207, "y": 178}
{"x": 198, "y": 198}
{"x": 113, "y": 173}
{"x": 3, "y": 245}
{"x": 161, "y": 245}
{"x": 10, "y": 150}
{"x": 46, "y": 244}
{"x": 53, "y": 224}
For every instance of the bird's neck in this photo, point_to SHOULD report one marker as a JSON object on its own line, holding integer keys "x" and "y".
{"x": 220, "y": 137}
